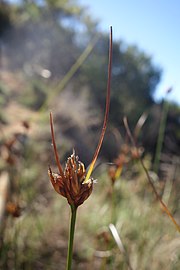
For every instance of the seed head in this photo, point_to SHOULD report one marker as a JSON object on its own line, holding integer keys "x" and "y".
{"x": 71, "y": 184}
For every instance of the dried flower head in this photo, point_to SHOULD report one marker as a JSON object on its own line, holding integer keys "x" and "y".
{"x": 13, "y": 209}
{"x": 115, "y": 170}
{"x": 73, "y": 182}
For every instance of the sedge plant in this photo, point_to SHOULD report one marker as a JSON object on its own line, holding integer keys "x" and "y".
{"x": 126, "y": 154}
{"x": 74, "y": 183}
{"x": 162, "y": 203}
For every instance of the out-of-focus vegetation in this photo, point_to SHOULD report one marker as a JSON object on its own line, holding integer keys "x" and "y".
{"x": 40, "y": 41}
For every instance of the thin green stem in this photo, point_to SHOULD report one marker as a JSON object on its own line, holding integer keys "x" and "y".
{"x": 113, "y": 205}
{"x": 160, "y": 140}
{"x": 71, "y": 237}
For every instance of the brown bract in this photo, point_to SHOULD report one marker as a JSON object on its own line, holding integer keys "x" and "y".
{"x": 71, "y": 184}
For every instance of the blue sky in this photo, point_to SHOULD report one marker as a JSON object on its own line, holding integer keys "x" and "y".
{"x": 153, "y": 26}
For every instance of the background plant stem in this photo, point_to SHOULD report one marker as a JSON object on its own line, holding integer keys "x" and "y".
{"x": 161, "y": 135}
{"x": 113, "y": 206}
{"x": 71, "y": 237}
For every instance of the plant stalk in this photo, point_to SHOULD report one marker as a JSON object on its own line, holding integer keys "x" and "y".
{"x": 113, "y": 205}
{"x": 161, "y": 133}
{"x": 71, "y": 237}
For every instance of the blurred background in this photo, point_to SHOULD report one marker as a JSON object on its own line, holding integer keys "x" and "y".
{"x": 54, "y": 57}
